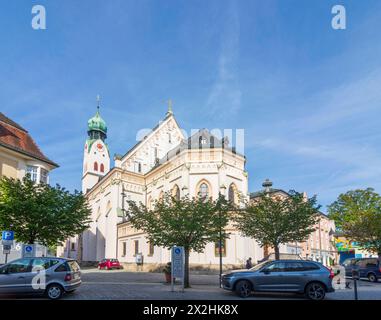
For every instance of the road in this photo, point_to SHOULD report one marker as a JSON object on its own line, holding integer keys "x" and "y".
{"x": 122, "y": 285}
{"x": 142, "y": 285}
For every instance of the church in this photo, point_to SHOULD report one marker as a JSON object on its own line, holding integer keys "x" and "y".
{"x": 164, "y": 160}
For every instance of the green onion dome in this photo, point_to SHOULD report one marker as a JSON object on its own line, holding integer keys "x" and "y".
{"x": 96, "y": 123}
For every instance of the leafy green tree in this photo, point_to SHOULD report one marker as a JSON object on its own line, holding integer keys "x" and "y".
{"x": 40, "y": 212}
{"x": 272, "y": 220}
{"x": 357, "y": 215}
{"x": 187, "y": 222}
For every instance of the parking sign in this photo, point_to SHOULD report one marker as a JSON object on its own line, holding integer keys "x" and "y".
{"x": 178, "y": 262}
{"x": 28, "y": 250}
{"x": 7, "y": 237}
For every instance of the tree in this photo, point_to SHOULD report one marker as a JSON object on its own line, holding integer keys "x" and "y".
{"x": 187, "y": 222}
{"x": 272, "y": 220}
{"x": 357, "y": 214}
{"x": 40, "y": 212}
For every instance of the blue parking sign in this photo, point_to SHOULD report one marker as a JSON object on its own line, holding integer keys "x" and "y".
{"x": 7, "y": 235}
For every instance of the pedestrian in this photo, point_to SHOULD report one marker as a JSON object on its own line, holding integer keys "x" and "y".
{"x": 249, "y": 264}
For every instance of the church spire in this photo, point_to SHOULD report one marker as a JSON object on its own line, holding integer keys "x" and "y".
{"x": 169, "y": 112}
{"x": 96, "y": 126}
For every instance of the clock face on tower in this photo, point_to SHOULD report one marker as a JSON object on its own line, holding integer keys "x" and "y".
{"x": 100, "y": 147}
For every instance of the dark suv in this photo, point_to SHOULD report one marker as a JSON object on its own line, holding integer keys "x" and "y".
{"x": 368, "y": 268}
{"x": 299, "y": 276}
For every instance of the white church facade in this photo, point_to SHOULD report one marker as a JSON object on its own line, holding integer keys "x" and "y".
{"x": 165, "y": 160}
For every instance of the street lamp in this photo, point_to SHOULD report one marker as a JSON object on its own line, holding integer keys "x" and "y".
{"x": 220, "y": 239}
{"x": 123, "y": 199}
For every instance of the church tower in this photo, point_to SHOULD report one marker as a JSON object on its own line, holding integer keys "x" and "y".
{"x": 96, "y": 158}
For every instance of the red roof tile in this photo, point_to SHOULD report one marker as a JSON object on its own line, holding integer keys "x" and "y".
{"x": 15, "y": 137}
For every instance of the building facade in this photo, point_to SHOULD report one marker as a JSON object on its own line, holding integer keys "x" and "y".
{"x": 165, "y": 160}
{"x": 20, "y": 155}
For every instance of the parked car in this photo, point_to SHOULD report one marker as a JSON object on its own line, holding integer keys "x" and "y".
{"x": 368, "y": 268}
{"x": 299, "y": 276}
{"x": 109, "y": 264}
{"x": 22, "y": 275}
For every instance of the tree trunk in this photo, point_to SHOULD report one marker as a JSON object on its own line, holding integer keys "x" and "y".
{"x": 186, "y": 268}
{"x": 79, "y": 249}
{"x": 277, "y": 255}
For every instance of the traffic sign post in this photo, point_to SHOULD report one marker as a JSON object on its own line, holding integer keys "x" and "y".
{"x": 177, "y": 265}
{"x": 28, "y": 250}
{"x": 7, "y": 238}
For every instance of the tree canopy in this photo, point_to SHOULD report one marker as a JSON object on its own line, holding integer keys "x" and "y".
{"x": 357, "y": 215}
{"x": 187, "y": 222}
{"x": 272, "y": 220}
{"x": 40, "y": 212}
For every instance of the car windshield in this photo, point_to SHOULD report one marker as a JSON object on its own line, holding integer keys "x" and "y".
{"x": 260, "y": 265}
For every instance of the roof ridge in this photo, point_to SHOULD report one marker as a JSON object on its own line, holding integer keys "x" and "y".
{"x": 6, "y": 120}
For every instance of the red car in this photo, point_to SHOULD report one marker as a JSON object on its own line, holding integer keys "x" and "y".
{"x": 109, "y": 264}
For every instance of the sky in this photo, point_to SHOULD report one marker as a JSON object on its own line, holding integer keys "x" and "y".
{"x": 308, "y": 96}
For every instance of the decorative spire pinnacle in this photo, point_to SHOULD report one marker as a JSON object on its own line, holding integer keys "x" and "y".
{"x": 267, "y": 184}
{"x": 98, "y": 102}
{"x": 169, "y": 112}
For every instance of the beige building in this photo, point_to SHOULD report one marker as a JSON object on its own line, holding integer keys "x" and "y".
{"x": 20, "y": 155}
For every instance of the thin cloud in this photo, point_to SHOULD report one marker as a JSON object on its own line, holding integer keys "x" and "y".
{"x": 225, "y": 94}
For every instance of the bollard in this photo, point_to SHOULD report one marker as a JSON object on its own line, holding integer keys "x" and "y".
{"x": 355, "y": 277}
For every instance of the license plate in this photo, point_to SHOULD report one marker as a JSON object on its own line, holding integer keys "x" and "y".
{"x": 75, "y": 276}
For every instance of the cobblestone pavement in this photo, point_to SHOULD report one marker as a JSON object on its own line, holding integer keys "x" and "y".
{"x": 142, "y": 285}
{"x": 122, "y": 285}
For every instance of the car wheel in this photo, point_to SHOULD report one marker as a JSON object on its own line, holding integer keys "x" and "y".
{"x": 243, "y": 288}
{"x": 54, "y": 291}
{"x": 372, "y": 277}
{"x": 315, "y": 291}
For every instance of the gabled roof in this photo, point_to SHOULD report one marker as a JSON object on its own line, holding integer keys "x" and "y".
{"x": 16, "y": 138}
{"x": 129, "y": 152}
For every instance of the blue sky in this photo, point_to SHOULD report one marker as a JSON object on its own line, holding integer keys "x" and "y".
{"x": 308, "y": 96}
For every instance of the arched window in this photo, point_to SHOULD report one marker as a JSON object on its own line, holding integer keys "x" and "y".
{"x": 212, "y": 142}
{"x": 95, "y": 166}
{"x": 231, "y": 194}
{"x": 176, "y": 192}
{"x": 102, "y": 168}
{"x": 204, "y": 190}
